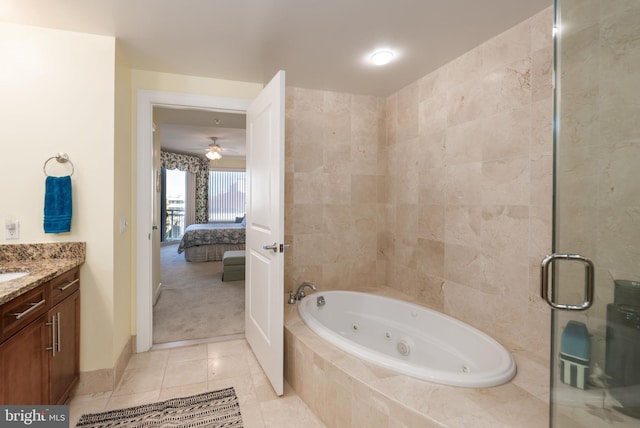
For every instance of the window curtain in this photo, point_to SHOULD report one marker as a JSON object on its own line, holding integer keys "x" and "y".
{"x": 190, "y": 208}
{"x": 200, "y": 168}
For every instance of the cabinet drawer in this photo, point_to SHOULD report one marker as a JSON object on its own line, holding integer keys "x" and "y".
{"x": 20, "y": 311}
{"x": 63, "y": 286}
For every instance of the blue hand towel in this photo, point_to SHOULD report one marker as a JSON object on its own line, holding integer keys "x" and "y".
{"x": 57, "y": 205}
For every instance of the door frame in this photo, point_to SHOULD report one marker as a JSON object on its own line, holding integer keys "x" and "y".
{"x": 147, "y": 99}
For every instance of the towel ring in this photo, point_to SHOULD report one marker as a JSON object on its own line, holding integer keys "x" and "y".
{"x": 61, "y": 157}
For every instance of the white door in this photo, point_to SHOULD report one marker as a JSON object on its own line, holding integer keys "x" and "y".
{"x": 264, "y": 279}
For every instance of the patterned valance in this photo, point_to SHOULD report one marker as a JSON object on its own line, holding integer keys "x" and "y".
{"x": 182, "y": 162}
{"x": 198, "y": 166}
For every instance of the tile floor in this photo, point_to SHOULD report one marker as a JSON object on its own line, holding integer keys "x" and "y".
{"x": 167, "y": 373}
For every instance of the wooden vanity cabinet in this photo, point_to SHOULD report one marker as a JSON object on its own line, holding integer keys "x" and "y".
{"x": 39, "y": 352}
{"x": 63, "y": 346}
{"x": 23, "y": 370}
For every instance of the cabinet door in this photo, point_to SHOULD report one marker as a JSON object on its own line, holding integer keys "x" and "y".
{"x": 23, "y": 366}
{"x": 64, "y": 363}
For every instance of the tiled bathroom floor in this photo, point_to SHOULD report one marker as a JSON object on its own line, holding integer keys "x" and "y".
{"x": 162, "y": 374}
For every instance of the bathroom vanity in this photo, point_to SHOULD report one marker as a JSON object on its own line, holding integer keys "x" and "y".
{"x": 39, "y": 331}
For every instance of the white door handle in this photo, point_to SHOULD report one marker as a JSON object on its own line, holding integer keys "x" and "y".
{"x": 273, "y": 247}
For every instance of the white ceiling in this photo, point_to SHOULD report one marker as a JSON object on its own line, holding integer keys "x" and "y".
{"x": 321, "y": 44}
{"x": 190, "y": 131}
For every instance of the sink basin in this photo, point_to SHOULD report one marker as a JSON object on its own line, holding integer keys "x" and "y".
{"x": 8, "y": 276}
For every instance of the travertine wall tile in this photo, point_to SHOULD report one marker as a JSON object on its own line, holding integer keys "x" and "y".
{"x": 541, "y": 37}
{"x": 513, "y": 44}
{"x": 464, "y": 184}
{"x": 431, "y": 222}
{"x": 484, "y": 170}
{"x": 542, "y": 73}
{"x": 334, "y": 155}
{"x": 464, "y": 143}
{"x": 506, "y": 135}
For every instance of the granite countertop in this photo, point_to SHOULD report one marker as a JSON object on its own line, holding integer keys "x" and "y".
{"x": 42, "y": 261}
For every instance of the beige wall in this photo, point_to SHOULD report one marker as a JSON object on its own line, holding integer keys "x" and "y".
{"x": 168, "y": 82}
{"x": 122, "y": 208}
{"x": 228, "y": 163}
{"x": 58, "y": 96}
{"x": 442, "y": 191}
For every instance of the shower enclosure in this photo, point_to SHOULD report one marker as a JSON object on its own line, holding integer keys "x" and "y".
{"x": 594, "y": 273}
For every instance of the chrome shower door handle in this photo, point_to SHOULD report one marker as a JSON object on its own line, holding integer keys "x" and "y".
{"x": 273, "y": 247}
{"x": 588, "y": 281}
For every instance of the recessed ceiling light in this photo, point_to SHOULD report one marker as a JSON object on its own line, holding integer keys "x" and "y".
{"x": 381, "y": 57}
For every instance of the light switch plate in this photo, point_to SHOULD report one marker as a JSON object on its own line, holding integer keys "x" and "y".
{"x": 123, "y": 224}
{"x": 12, "y": 229}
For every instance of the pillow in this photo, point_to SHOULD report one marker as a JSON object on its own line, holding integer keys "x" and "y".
{"x": 244, "y": 221}
{"x": 239, "y": 219}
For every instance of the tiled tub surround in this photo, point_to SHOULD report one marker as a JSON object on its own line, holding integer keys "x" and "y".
{"x": 344, "y": 391}
{"x": 43, "y": 261}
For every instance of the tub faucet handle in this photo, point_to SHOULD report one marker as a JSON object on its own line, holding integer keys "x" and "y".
{"x": 292, "y": 298}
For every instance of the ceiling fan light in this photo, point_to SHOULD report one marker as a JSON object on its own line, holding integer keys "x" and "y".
{"x": 214, "y": 150}
{"x": 213, "y": 155}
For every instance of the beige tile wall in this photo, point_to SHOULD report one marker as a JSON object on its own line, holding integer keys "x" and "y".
{"x": 334, "y": 168}
{"x": 443, "y": 190}
{"x": 470, "y": 184}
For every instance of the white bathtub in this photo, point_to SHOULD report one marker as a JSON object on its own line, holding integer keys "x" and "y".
{"x": 407, "y": 338}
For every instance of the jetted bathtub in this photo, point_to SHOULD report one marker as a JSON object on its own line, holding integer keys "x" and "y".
{"x": 407, "y": 338}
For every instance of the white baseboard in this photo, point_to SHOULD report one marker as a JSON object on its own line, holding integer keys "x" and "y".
{"x": 156, "y": 295}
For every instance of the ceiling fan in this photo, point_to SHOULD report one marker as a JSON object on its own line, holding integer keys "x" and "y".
{"x": 213, "y": 152}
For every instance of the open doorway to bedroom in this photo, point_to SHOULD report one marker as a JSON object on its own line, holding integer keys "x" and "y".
{"x": 200, "y": 210}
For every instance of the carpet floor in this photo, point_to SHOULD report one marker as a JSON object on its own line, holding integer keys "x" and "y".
{"x": 195, "y": 303}
{"x": 217, "y": 409}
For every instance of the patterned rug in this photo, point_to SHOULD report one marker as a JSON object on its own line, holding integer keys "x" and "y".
{"x": 217, "y": 409}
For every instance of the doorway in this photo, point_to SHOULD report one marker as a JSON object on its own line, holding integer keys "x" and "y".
{"x": 200, "y": 202}
{"x": 148, "y": 192}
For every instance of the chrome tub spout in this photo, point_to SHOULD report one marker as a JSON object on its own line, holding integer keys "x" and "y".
{"x": 300, "y": 293}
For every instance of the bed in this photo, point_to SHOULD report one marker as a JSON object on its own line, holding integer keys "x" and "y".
{"x": 208, "y": 242}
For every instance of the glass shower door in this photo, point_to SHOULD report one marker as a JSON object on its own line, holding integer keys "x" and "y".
{"x": 595, "y": 367}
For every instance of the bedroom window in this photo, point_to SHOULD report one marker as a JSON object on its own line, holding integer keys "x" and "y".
{"x": 174, "y": 199}
{"x": 226, "y": 195}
